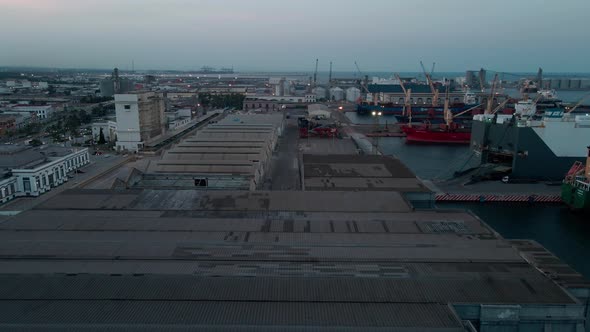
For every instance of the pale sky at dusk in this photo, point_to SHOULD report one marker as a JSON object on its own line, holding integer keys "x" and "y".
{"x": 507, "y": 35}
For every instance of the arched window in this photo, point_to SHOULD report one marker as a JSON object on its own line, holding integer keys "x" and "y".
{"x": 420, "y": 101}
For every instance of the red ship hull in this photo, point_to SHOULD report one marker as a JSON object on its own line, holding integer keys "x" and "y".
{"x": 436, "y": 136}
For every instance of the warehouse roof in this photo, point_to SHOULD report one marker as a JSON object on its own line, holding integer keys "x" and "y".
{"x": 355, "y": 172}
{"x": 254, "y": 260}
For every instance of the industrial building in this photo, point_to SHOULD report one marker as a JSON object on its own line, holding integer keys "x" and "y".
{"x": 40, "y": 112}
{"x": 115, "y": 85}
{"x": 109, "y": 130}
{"x": 567, "y": 83}
{"x": 7, "y": 124}
{"x": 140, "y": 119}
{"x": 274, "y": 261}
{"x": 33, "y": 171}
{"x": 234, "y": 153}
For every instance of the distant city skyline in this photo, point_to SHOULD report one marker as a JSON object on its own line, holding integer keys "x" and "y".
{"x": 262, "y": 35}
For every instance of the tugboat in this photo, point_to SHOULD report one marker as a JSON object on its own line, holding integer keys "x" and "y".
{"x": 575, "y": 190}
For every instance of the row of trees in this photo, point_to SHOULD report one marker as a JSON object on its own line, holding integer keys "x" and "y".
{"x": 70, "y": 125}
{"x": 232, "y": 100}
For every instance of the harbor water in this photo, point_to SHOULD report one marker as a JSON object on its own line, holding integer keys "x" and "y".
{"x": 565, "y": 234}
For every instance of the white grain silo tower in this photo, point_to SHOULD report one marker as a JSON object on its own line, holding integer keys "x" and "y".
{"x": 353, "y": 94}
{"x": 336, "y": 94}
{"x": 319, "y": 92}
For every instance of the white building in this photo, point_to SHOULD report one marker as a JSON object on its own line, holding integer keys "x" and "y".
{"x": 316, "y": 111}
{"x": 140, "y": 118}
{"x": 292, "y": 99}
{"x": 7, "y": 189}
{"x": 336, "y": 94}
{"x": 52, "y": 172}
{"x": 41, "y": 85}
{"x": 179, "y": 118}
{"x": 310, "y": 98}
{"x": 109, "y": 130}
{"x": 353, "y": 94}
{"x": 42, "y": 112}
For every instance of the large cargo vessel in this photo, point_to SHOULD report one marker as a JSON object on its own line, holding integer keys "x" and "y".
{"x": 575, "y": 190}
{"x": 436, "y": 134}
{"x": 533, "y": 149}
{"x": 394, "y": 99}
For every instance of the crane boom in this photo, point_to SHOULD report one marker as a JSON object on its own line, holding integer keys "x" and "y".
{"x": 330, "y": 77}
{"x": 432, "y": 70}
{"x": 407, "y": 95}
{"x": 361, "y": 75}
{"x": 491, "y": 98}
{"x": 467, "y": 110}
{"x": 584, "y": 97}
{"x": 431, "y": 84}
{"x": 315, "y": 73}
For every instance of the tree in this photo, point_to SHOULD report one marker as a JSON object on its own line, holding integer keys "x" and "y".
{"x": 84, "y": 117}
{"x": 101, "y": 139}
{"x": 35, "y": 142}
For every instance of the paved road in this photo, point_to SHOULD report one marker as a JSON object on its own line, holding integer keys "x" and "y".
{"x": 285, "y": 163}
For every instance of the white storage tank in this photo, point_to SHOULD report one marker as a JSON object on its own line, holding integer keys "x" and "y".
{"x": 319, "y": 92}
{"x": 336, "y": 94}
{"x": 353, "y": 94}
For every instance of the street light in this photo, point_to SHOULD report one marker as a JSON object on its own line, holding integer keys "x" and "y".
{"x": 376, "y": 116}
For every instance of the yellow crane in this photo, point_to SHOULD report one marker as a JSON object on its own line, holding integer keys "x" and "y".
{"x": 492, "y": 93}
{"x": 407, "y": 95}
{"x": 433, "y": 89}
{"x": 584, "y": 97}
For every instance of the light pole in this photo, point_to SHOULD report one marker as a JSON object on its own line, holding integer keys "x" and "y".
{"x": 376, "y": 117}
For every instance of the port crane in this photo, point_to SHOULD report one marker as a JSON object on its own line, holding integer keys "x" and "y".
{"x": 584, "y": 97}
{"x": 363, "y": 82}
{"x": 433, "y": 89}
{"x": 492, "y": 93}
{"x": 407, "y": 95}
{"x": 315, "y": 73}
{"x": 330, "y": 77}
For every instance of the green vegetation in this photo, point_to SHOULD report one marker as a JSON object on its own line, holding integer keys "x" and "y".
{"x": 101, "y": 139}
{"x": 234, "y": 100}
{"x": 35, "y": 142}
{"x": 94, "y": 100}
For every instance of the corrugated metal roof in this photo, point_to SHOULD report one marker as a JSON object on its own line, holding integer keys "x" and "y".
{"x": 278, "y": 315}
{"x": 282, "y": 289}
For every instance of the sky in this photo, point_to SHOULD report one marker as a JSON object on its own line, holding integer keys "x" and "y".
{"x": 261, "y": 35}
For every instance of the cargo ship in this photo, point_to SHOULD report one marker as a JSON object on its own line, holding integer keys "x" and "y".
{"x": 396, "y": 99}
{"x": 531, "y": 147}
{"x": 420, "y": 102}
{"x": 449, "y": 132}
{"x": 575, "y": 189}
{"x": 437, "y": 134}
